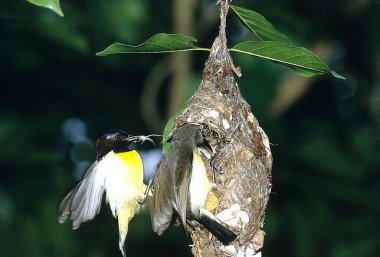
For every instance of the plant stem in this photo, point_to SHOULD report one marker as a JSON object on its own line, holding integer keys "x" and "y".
{"x": 224, "y": 6}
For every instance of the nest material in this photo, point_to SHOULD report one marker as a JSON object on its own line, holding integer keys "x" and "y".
{"x": 242, "y": 157}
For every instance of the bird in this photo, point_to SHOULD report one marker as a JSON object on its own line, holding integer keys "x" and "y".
{"x": 117, "y": 172}
{"x": 181, "y": 184}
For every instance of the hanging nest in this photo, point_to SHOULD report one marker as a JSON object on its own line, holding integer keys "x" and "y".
{"x": 241, "y": 160}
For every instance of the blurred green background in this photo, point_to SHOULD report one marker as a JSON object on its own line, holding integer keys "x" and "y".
{"x": 56, "y": 97}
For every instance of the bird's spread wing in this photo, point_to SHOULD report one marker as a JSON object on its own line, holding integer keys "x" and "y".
{"x": 84, "y": 201}
{"x": 162, "y": 202}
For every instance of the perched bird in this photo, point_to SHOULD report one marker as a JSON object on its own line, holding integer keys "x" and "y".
{"x": 181, "y": 183}
{"x": 118, "y": 171}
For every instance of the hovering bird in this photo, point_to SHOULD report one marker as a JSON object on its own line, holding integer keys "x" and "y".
{"x": 118, "y": 171}
{"x": 181, "y": 183}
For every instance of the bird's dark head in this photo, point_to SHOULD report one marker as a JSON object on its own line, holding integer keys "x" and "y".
{"x": 188, "y": 135}
{"x": 114, "y": 140}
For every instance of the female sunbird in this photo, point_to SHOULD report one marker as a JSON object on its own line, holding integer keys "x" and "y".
{"x": 181, "y": 184}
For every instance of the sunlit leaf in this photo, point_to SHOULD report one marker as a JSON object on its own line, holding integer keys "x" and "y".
{"x": 337, "y": 75}
{"x": 169, "y": 127}
{"x": 159, "y": 43}
{"x": 50, "y": 4}
{"x": 299, "y": 59}
{"x": 260, "y": 26}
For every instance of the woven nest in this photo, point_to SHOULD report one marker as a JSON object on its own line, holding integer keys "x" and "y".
{"x": 242, "y": 159}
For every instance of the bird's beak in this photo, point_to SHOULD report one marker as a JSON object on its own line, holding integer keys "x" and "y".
{"x": 208, "y": 146}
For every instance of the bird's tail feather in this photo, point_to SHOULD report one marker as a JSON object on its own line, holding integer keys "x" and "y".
{"x": 212, "y": 224}
{"x": 122, "y": 248}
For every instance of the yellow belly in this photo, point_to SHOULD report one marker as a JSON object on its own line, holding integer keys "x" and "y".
{"x": 123, "y": 180}
{"x": 124, "y": 187}
{"x": 134, "y": 168}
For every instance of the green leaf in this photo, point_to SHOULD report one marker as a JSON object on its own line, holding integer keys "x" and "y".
{"x": 169, "y": 127}
{"x": 159, "y": 43}
{"x": 167, "y": 130}
{"x": 337, "y": 75}
{"x": 50, "y": 4}
{"x": 260, "y": 26}
{"x": 299, "y": 59}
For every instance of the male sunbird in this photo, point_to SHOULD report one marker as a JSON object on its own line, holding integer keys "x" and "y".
{"x": 117, "y": 171}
